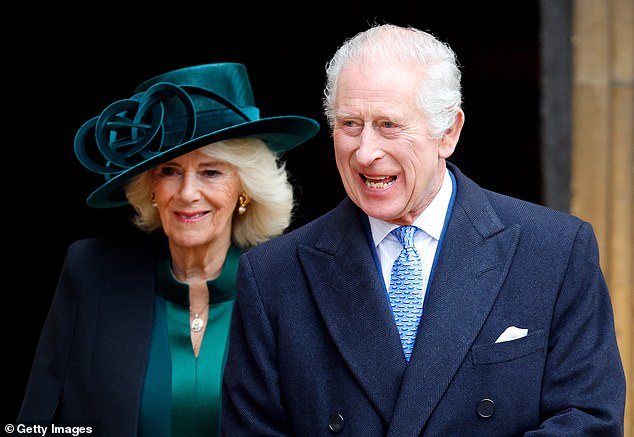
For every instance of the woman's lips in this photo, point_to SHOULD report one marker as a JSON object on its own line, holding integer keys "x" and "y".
{"x": 191, "y": 216}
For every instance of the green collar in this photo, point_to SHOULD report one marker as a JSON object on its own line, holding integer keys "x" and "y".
{"x": 221, "y": 289}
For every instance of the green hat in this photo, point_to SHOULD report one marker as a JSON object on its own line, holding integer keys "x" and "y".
{"x": 173, "y": 114}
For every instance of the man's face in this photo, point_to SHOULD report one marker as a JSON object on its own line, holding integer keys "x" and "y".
{"x": 389, "y": 165}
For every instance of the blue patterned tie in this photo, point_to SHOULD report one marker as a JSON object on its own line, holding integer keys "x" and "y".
{"x": 406, "y": 288}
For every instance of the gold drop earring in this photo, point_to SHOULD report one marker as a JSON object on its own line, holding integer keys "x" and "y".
{"x": 243, "y": 200}
{"x": 153, "y": 200}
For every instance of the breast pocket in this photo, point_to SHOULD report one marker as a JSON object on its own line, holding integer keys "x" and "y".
{"x": 508, "y": 350}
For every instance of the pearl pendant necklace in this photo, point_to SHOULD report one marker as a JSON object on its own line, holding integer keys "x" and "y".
{"x": 197, "y": 323}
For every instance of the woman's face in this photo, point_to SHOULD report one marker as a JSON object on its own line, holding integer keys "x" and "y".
{"x": 196, "y": 196}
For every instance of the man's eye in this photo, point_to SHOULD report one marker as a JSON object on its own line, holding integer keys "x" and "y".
{"x": 350, "y": 126}
{"x": 388, "y": 124}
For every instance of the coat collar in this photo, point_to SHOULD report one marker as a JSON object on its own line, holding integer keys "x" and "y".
{"x": 349, "y": 294}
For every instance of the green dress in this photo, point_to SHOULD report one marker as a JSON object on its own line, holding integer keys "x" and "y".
{"x": 182, "y": 393}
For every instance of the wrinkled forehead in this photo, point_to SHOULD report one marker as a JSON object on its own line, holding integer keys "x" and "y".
{"x": 372, "y": 74}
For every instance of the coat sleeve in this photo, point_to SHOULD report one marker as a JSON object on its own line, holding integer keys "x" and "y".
{"x": 50, "y": 364}
{"x": 252, "y": 402}
{"x": 583, "y": 391}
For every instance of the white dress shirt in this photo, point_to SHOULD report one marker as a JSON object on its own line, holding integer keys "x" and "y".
{"x": 430, "y": 223}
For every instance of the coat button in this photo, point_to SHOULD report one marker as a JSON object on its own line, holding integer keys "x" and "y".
{"x": 486, "y": 408}
{"x": 335, "y": 422}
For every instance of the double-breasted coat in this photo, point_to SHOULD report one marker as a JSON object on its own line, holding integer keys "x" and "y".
{"x": 314, "y": 349}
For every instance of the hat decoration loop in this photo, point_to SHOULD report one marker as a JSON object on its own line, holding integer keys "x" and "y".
{"x": 130, "y": 131}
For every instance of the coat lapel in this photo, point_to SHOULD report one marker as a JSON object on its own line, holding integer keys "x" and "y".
{"x": 473, "y": 263}
{"x": 350, "y": 296}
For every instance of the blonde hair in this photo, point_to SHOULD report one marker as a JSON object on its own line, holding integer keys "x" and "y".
{"x": 263, "y": 177}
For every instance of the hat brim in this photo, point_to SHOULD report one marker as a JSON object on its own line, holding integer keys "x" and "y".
{"x": 279, "y": 133}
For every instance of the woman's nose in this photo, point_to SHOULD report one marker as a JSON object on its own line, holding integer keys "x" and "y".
{"x": 189, "y": 190}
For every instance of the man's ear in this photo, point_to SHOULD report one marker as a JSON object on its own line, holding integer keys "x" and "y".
{"x": 450, "y": 138}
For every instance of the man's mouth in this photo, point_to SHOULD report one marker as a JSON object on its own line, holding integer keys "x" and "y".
{"x": 378, "y": 182}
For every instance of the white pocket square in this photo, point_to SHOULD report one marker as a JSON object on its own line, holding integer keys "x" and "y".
{"x": 512, "y": 333}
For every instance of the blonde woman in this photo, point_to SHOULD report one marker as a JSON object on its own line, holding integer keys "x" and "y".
{"x": 136, "y": 337}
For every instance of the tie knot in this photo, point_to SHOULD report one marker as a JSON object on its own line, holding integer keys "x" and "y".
{"x": 405, "y": 235}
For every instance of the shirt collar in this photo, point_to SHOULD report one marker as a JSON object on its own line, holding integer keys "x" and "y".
{"x": 431, "y": 219}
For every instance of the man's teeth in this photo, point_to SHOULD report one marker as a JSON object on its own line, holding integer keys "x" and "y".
{"x": 380, "y": 182}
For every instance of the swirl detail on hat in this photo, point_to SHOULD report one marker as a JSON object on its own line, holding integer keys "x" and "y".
{"x": 131, "y": 131}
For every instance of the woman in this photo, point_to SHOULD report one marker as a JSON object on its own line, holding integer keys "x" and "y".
{"x": 135, "y": 340}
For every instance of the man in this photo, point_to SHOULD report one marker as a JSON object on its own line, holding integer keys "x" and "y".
{"x": 507, "y": 324}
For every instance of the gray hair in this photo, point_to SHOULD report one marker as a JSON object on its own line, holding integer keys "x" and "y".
{"x": 438, "y": 97}
{"x": 263, "y": 177}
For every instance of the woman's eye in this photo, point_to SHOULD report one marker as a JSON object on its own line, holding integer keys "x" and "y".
{"x": 168, "y": 171}
{"x": 210, "y": 173}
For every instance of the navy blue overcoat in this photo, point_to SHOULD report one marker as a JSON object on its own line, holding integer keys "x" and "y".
{"x": 314, "y": 349}
{"x": 90, "y": 363}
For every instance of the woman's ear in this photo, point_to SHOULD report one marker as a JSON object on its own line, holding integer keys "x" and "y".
{"x": 450, "y": 139}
